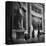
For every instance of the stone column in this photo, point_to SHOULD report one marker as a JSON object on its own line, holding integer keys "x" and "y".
{"x": 44, "y": 17}
{"x": 22, "y": 18}
{"x": 29, "y": 20}
{"x": 26, "y": 19}
{"x": 43, "y": 20}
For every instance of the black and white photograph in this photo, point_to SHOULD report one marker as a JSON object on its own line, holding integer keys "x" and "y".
{"x": 25, "y": 22}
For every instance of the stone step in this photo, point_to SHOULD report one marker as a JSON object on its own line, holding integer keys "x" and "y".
{"x": 19, "y": 41}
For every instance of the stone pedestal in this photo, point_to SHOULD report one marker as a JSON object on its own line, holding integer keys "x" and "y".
{"x": 18, "y": 34}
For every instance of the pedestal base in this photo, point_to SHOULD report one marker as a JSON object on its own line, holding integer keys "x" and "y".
{"x": 18, "y": 34}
